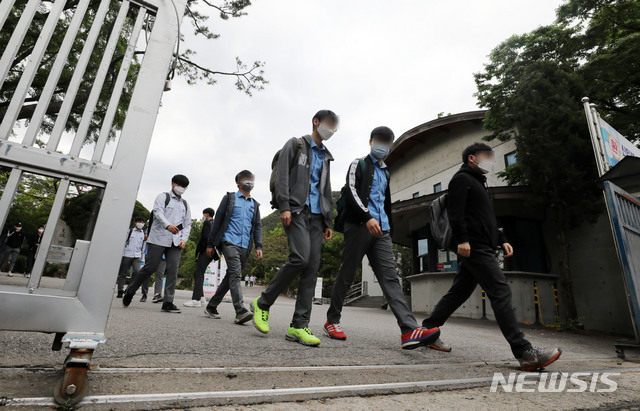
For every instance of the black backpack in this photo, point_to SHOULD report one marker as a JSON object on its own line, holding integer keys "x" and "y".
{"x": 440, "y": 226}
{"x": 274, "y": 170}
{"x": 166, "y": 203}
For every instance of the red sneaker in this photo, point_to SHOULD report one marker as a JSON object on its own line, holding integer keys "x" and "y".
{"x": 420, "y": 337}
{"x": 334, "y": 331}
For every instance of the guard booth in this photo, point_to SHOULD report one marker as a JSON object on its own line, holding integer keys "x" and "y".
{"x": 80, "y": 87}
{"x": 618, "y": 162}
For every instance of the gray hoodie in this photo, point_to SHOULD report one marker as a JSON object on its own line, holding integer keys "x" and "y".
{"x": 292, "y": 181}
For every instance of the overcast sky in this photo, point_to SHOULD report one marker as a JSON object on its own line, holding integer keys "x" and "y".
{"x": 373, "y": 62}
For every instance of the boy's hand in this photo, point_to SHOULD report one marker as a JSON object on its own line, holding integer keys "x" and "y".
{"x": 285, "y": 217}
{"x": 508, "y": 250}
{"x": 328, "y": 233}
{"x": 259, "y": 254}
{"x": 374, "y": 228}
{"x": 464, "y": 249}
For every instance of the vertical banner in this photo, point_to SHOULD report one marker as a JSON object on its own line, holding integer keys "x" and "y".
{"x": 318, "y": 292}
{"x": 213, "y": 276}
{"x": 609, "y": 146}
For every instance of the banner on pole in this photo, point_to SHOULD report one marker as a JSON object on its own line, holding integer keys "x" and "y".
{"x": 616, "y": 146}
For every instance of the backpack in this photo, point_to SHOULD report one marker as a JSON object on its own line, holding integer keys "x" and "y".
{"x": 341, "y": 204}
{"x": 274, "y": 170}
{"x": 166, "y": 203}
{"x": 440, "y": 226}
{"x": 128, "y": 236}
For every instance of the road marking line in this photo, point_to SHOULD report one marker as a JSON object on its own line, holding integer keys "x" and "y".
{"x": 278, "y": 392}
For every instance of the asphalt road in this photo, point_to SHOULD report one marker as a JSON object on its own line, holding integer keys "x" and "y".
{"x": 149, "y": 352}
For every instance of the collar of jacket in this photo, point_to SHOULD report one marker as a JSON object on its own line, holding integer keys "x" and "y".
{"x": 472, "y": 172}
{"x": 327, "y": 153}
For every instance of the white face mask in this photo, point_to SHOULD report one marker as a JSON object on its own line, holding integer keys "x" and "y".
{"x": 40, "y": 231}
{"x": 325, "y": 132}
{"x": 485, "y": 166}
{"x": 139, "y": 226}
{"x": 178, "y": 190}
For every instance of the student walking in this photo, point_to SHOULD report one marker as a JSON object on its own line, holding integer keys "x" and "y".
{"x": 168, "y": 234}
{"x": 202, "y": 260}
{"x": 236, "y": 229}
{"x": 476, "y": 233}
{"x": 13, "y": 244}
{"x": 365, "y": 219}
{"x": 34, "y": 243}
{"x": 302, "y": 195}
{"x": 132, "y": 254}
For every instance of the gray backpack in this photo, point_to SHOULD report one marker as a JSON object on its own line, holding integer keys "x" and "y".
{"x": 440, "y": 227}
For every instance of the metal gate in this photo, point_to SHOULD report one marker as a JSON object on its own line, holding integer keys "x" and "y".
{"x": 90, "y": 137}
{"x": 624, "y": 213}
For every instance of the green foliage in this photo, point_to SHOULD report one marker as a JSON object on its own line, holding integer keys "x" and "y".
{"x": 532, "y": 88}
{"x": 188, "y": 260}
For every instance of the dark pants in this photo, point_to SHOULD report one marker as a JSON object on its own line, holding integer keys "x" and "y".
{"x": 152, "y": 261}
{"x": 198, "y": 277}
{"x": 125, "y": 264}
{"x": 358, "y": 242}
{"x": 31, "y": 258}
{"x": 482, "y": 268}
{"x": 236, "y": 258}
{"x": 304, "y": 236}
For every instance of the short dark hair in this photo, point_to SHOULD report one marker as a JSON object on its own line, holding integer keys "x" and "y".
{"x": 384, "y": 132}
{"x": 209, "y": 211}
{"x": 322, "y": 114}
{"x": 473, "y": 150}
{"x": 40, "y": 226}
{"x": 244, "y": 174}
{"x": 139, "y": 219}
{"x": 180, "y": 180}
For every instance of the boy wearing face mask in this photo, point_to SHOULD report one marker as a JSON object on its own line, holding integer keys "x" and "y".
{"x": 304, "y": 200}
{"x": 367, "y": 231}
{"x": 132, "y": 254}
{"x": 168, "y": 235}
{"x": 34, "y": 243}
{"x": 13, "y": 244}
{"x": 476, "y": 233}
{"x": 202, "y": 260}
{"x": 235, "y": 230}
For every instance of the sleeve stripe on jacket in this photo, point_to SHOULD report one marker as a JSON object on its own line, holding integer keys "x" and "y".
{"x": 352, "y": 184}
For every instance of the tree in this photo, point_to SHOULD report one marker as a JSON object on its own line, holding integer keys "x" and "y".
{"x": 248, "y": 79}
{"x": 532, "y": 88}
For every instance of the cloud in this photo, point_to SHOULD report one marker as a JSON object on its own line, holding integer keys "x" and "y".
{"x": 373, "y": 62}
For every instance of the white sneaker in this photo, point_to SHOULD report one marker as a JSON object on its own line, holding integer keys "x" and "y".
{"x": 203, "y": 301}
{"x": 193, "y": 303}
{"x": 10, "y": 275}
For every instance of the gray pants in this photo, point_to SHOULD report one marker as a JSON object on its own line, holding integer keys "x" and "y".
{"x": 304, "y": 236}
{"x": 125, "y": 265}
{"x": 152, "y": 261}
{"x": 10, "y": 254}
{"x": 157, "y": 283}
{"x": 236, "y": 258}
{"x": 358, "y": 242}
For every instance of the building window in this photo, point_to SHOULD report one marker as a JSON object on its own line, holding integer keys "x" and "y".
{"x": 510, "y": 159}
{"x": 416, "y": 194}
{"x": 437, "y": 188}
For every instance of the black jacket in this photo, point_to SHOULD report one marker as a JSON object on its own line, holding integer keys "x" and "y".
{"x": 15, "y": 239}
{"x": 33, "y": 240}
{"x": 357, "y": 192}
{"x": 204, "y": 237}
{"x": 221, "y": 223}
{"x": 471, "y": 212}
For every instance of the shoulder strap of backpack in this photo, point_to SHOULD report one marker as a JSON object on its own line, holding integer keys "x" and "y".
{"x": 299, "y": 143}
{"x": 129, "y": 236}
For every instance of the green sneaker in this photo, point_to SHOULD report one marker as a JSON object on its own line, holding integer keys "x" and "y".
{"x": 303, "y": 336}
{"x": 260, "y": 317}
